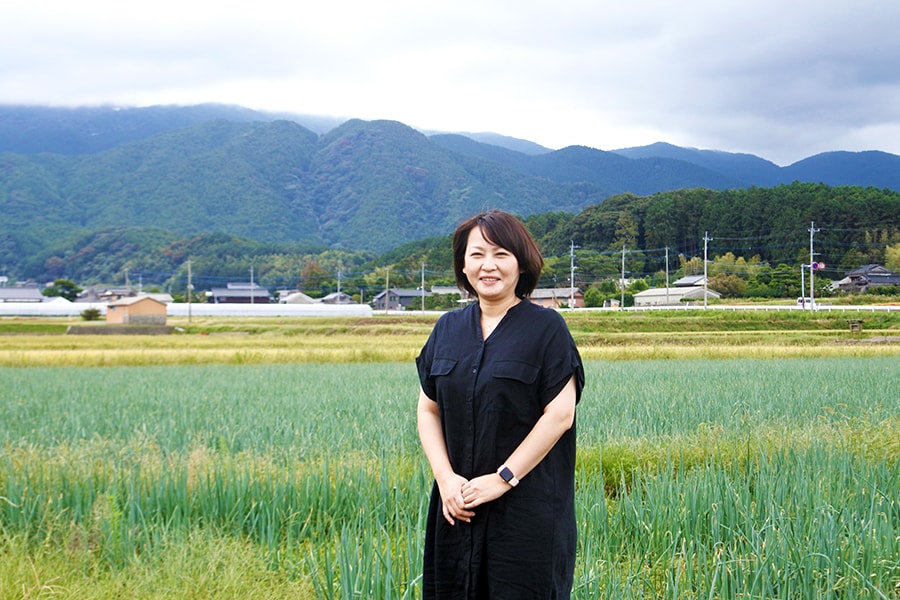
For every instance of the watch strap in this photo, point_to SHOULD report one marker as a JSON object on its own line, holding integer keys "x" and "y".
{"x": 507, "y": 475}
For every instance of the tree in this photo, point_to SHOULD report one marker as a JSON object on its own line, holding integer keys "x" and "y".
{"x": 441, "y": 301}
{"x": 593, "y": 297}
{"x": 785, "y": 282}
{"x": 637, "y": 286}
{"x": 626, "y": 232}
{"x": 608, "y": 287}
{"x": 693, "y": 266}
{"x": 63, "y": 288}
{"x": 729, "y": 285}
{"x": 892, "y": 257}
{"x": 312, "y": 277}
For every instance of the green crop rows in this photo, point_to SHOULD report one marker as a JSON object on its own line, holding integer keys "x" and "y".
{"x": 696, "y": 479}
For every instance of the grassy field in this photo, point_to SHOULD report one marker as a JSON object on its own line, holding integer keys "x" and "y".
{"x": 279, "y": 460}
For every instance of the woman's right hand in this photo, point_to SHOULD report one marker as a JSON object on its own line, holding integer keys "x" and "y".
{"x": 452, "y": 503}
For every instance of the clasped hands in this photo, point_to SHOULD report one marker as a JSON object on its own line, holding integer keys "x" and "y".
{"x": 459, "y": 496}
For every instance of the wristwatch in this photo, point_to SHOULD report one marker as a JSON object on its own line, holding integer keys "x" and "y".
{"x": 507, "y": 475}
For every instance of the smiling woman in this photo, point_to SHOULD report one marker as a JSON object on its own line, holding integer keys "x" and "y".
{"x": 499, "y": 379}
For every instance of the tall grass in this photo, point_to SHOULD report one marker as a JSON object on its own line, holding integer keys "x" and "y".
{"x": 696, "y": 479}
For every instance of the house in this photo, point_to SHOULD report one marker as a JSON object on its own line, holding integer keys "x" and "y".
{"x": 337, "y": 298}
{"x": 397, "y": 299}
{"x": 136, "y": 310}
{"x": 164, "y": 298}
{"x": 294, "y": 297}
{"x": 98, "y": 294}
{"x": 446, "y": 290}
{"x": 450, "y": 290}
{"x": 21, "y": 294}
{"x": 239, "y": 293}
{"x": 690, "y": 281}
{"x": 673, "y": 296}
{"x": 557, "y": 297}
{"x": 858, "y": 281}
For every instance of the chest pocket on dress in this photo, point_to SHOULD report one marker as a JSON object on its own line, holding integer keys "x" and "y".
{"x": 517, "y": 371}
{"x": 441, "y": 374}
{"x": 517, "y": 393}
{"x": 442, "y": 366}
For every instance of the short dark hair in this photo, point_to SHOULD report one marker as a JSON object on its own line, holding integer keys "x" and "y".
{"x": 508, "y": 232}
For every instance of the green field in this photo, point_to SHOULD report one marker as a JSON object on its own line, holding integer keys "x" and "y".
{"x": 701, "y": 478}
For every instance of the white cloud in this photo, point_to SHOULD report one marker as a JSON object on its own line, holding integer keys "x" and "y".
{"x": 782, "y": 80}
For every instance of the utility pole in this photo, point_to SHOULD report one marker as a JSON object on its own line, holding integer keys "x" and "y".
{"x": 190, "y": 289}
{"x": 423, "y": 287}
{"x": 572, "y": 275}
{"x": 622, "y": 284}
{"x": 812, "y": 268}
{"x": 251, "y": 284}
{"x": 706, "y": 241}
{"x": 387, "y": 289}
{"x": 667, "y": 275}
{"x": 803, "y": 285}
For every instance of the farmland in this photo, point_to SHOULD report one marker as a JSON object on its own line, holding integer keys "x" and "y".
{"x": 608, "y": 335}
{"x": 733, "y": 459}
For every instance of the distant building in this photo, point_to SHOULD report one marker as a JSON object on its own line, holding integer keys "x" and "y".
{"x": 294, "y": 297}
{"x": 858, "y": 281}
{"x": 239, "y": 293}
{"x": 690, "y": 281}
{"x": 449, "y": 290}
{"x": 136, "y": 310}
{"x": 673, "y": 296}
{"x": 397, "y": 299}
{"x": 101, "y": 294}
{"x": 337, "y": 298}
{"x": 557, "y": 297}
{"x": 21, "y": 294}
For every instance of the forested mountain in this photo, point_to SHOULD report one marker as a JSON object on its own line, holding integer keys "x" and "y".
{"x": 660, "y": 167}
{"x": 614, "y": 173}
{"x": 89, "y": 193}
{"x": 745, "y": 168}
{"x": 364, "y": 185}
{"x": 59, "y": 130}
{"x": 872, "y": 168}
{"x": 878, "y": 169}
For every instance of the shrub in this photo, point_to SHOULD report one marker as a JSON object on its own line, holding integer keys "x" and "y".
{"x": 91, "y": 314}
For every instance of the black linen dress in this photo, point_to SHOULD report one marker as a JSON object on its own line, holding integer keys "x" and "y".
{"x": 490, "y": 393}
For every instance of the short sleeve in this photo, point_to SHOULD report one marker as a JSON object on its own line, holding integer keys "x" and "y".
{"x": 425, "y": 361}
{"x": 561, "y": 361}
{"x": 423, "y": 366}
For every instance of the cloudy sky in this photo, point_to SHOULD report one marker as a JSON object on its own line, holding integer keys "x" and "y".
{"x": 780, "y": 79}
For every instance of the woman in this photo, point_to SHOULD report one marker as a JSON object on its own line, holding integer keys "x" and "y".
{"x": 500, "y": 379}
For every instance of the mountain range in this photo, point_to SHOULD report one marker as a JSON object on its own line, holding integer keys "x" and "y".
{"x": 37, "y": 129}
{"x": 335, "y": 183}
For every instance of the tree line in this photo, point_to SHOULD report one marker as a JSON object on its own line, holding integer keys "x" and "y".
{"x": 755, "y": 241}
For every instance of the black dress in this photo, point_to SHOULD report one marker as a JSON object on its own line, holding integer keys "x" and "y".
{"x": 490, "y": 393}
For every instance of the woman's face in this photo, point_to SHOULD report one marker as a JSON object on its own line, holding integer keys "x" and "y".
{"x": 491, "y": 270}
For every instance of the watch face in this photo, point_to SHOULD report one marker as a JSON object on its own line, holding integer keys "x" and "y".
{"x": 506, "y": 474}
